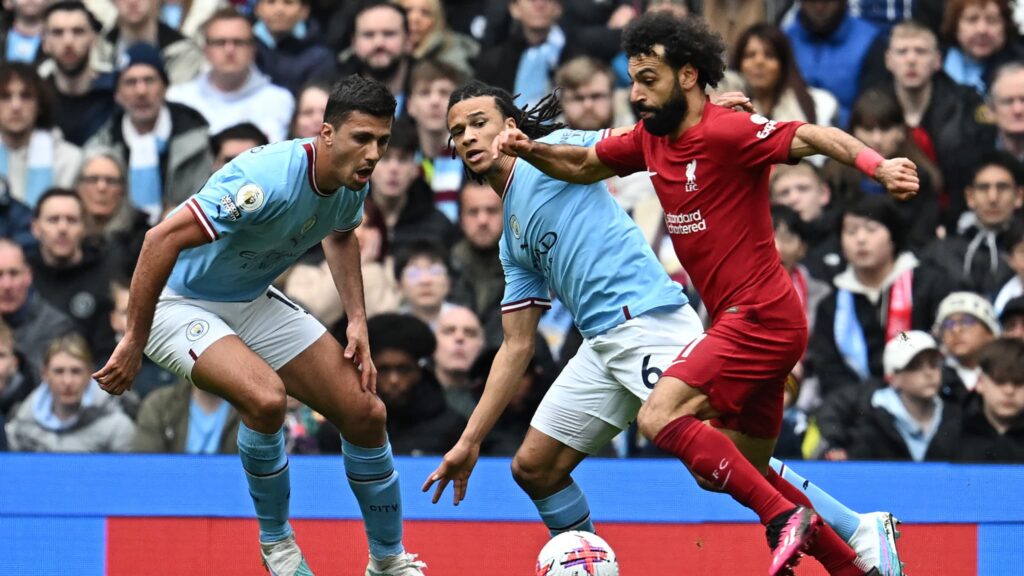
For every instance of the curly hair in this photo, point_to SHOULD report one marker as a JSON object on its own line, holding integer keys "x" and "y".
{"x": 686, "y": 41}
{"x": 358, "y": 94}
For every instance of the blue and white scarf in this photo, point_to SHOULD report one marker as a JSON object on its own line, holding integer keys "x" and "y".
{"x": 40, "y": 168}
{"x": 145, "y": 183}
{"x": 533, "y": 76}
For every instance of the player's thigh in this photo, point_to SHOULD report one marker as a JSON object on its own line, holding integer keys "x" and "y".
{"x": 585, "y": 407}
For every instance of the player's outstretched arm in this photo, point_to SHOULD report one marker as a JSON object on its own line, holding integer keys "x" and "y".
{"x": 565, "y": 162}
{"x": 160, "y": 250}
{"x": 341, "y": 250}
{"x": 509, "y": 366}
{"x": 898, "y": 175}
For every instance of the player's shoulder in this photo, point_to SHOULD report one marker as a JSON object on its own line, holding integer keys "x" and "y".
{"x": 572, "y": 137}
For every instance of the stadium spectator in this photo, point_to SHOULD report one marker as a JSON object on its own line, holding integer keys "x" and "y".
{"x": 183, "y": 419}
{"x": 831, "y": 46}
{"x": 164, "y": 144}
{"x": 188, "y": 16}
{"x": 430, "y": 85}
{"x": 419, "y": 420}
{"x": 981, "y": 36}
{"x": 111, "y": 221}
{"x": 460, "y": 339}
{"x": 71, "y": 274}
{"x": 234, "y": 140}
{"x": 884, "y": 290}
{"x": 138, "y": 21}
{"x": 69, "y": 412}
{"x": 85, "y": 96}
{"x": 433, "y": 39}
{"x": 507, "y": 435}
{"x": 876, "y": 119}
{"x": 791, "y": 242}
{"x": 907, "y": 420}
{"x": 763, "y": 57}
{"x": 993, "y": 427}
{"x": 34, "y": 321}
{"x": 801, "y": 188}
{"x": 1013, "y": 241}
{"x": 424, "y": 281}
{"x": 289, "y": 47}
{"x": 965, "y": 323}
{"x": 22, "y": 32}
{"x": 17, "y": 379}
{"x": 976, "y": 249}
{"x": 1011, "y": 319}
{"x": 15, "y": 218}
{"x": 301, "y": 426}
{"x": 151, "y": 376}
{"x": 1006, "y": 92}
{"x": 233, "y": 90}
{"x": 309, "y": 111}
{"x": 525, "y": 62}
{"x": 941, "y": 114}
{"x": 33, "y": 155}
{"x": 479, "y": 281}
{"x": 380, "y": 48}
{"x": 404, "y": 198}
{"x": 587, "y": 93}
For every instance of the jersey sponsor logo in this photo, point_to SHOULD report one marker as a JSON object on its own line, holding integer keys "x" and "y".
{"x": 769, "y": 126}
{"x": 539, "y": 252}
{"x": 230, "y": 210}
{"x": 250, "y": 198}
{"x": 196, "y": 330}
{"x": 307, "y": 225}
{"x": 514, "y": 223}
{"x": 691, "y": 176}
{"x": 685, "y": 223}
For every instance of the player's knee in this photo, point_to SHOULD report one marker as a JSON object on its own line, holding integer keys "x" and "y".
{"x": 532, "y": 476}
{"x": 267, "y": 408}
{"x": 651, "y": 419}
{"x": 368, "y": 422}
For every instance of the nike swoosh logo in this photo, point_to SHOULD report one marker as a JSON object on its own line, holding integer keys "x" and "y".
{"x": 652, "y": 173}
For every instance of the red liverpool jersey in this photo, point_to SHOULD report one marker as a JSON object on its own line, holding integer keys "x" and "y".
{"x": 713, "y": 185}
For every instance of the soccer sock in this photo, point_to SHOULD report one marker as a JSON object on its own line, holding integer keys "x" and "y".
{"x": 565, "y": 510}
{"x": 374, "y": 480}
{"x": 712, "y": 456}
{"x": 834, "y": 554}
{"x": 843, "y": 520}
{"x": 266, "y": 469}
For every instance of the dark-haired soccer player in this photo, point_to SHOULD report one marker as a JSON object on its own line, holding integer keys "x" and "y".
{"x": 201, "y": 306}
{"x": 710, "y": 167}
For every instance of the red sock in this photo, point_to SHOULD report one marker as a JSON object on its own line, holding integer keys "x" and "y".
{"x": 711, "y": 455}
{"x": 827, "y": 547}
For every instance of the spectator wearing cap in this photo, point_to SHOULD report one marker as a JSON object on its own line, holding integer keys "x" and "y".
{"x": 976, "y": 249}
{"x": 908, "y": 419}
{"x": 1011, "y": 319}
{"x": 164, "y": 144}
{"x": 965, "y": 323}
{"x": 138, "y": 21}
{"x": 1014, "y": 287}
{"x": 993, "y": 428}
{"x": 884, "y": 291}
{"x": 419, "y": 420}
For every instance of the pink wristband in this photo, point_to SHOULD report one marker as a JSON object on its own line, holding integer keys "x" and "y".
{"x": 868, "y": 161}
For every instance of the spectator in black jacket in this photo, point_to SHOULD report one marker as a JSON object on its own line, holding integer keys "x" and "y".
{"x": 1011, "y": 319}
{"x": 801, "y": 188}
{"x": 15, "y": 219}
{"x": 994, "y": 417}
{"x": 380, "y": 48}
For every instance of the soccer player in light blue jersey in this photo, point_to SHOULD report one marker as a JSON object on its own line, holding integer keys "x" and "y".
{"x": 576, "y": 242}
{"x": 202, "y": 306}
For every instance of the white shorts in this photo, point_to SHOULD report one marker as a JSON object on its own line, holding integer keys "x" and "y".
{"x": 601, "y": 389}
{"x": 272, "y": 326}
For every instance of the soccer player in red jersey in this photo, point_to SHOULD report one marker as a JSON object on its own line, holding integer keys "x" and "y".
{"x": 710, "y": 168}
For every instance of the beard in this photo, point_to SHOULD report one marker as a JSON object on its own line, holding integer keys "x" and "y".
{"x": 75, "y": 69}
{"x": 666, "y": 118}
{"x": 381, "y": 73}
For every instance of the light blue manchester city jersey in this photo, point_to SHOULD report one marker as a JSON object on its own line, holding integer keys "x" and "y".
{"x": 576, "y": 241}
{"x": 262, "y": 211}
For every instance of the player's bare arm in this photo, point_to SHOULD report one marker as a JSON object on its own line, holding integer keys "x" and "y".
{"x": 160, "y": 250}
{"x": 898, "y": 175}
{"x": 510, "y": 364}
{"x": 341, "y": 250}
{"x": 575, "y": 164}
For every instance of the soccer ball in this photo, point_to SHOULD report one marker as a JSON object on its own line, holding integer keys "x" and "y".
{"x": 577, "y": 553}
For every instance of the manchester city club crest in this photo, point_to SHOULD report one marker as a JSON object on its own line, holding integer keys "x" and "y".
{"x": 249, "y": 198}
{"x": 196, "y": 330}
{"x": 514, "y": 223}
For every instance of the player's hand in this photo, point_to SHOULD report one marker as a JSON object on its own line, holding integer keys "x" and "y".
{"x": 119, "y": 372}
{"x": 456, "y": 467}
{"x": 358, "y": 351}
{"x": 511, "y": 141}
{"x": 736, "y": 100}
{"x": 899, "y": 176}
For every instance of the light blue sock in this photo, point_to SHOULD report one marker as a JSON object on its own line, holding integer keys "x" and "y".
{"x": 266, "y": 469}
{"x": 565, "y": 510}
{"x": 843, "y": 520}
{"x": 374, "y": 480}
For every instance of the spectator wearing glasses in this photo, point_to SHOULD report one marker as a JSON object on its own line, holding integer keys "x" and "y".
{"x": 423, "y": 281}
{"x": 965, "y": 323}
{"x": 111, "y": 221}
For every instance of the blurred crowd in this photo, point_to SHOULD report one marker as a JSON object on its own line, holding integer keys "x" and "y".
{"x": 113, "y": 112}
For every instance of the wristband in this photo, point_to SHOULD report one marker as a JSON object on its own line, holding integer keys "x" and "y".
{"x": 868, "y": 161}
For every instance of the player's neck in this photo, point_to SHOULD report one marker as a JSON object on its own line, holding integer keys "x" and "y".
{"x": 498, "y": 176}
{"x": 695, "y": 101}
